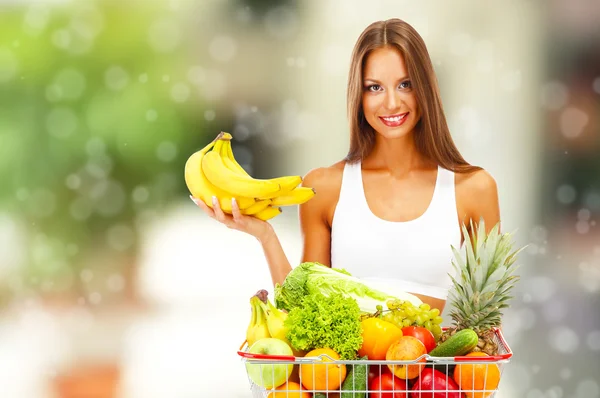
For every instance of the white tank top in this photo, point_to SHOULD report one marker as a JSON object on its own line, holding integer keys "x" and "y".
{"x": 414, "y": 256}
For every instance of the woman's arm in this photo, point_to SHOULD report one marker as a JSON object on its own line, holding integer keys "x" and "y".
{"x": 279, "y": 265}
{"x": 477, "y": 198}
{"x": 432, "y": 301}
{"x": 314, "y": 228}
{"x": 314, "y": 225}
{"x": 314, "y": 221}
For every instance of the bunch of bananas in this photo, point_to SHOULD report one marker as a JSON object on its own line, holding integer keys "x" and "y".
{"x": 213, "y": 171}
{"x": 267, "y": 321}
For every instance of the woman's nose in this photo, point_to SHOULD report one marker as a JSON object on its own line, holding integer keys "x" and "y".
{"x": 391, "y": 100}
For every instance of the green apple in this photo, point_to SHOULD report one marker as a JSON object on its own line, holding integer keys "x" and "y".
{"x": 270, "y": 375}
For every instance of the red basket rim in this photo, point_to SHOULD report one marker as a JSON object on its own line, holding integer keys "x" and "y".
{"x": 495, "y": 358}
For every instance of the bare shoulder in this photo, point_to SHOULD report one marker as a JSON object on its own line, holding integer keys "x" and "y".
{"x": 477, "y": 197}
{"x": 327, "y": 183}
{"x": 325, "y": 178}
{"x": 476, "y": 182}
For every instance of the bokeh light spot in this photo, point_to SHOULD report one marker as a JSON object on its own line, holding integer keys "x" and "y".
{"x": 164, "y": 35}
{"x": 61, "y": 122}
{"x": 566, "y": 194}
{"x": 564, "y": 339}
{"x": 222, "y": 48}
{"x": 180, "y": 92}
{"x": 71, "y": 82}
{"x": 140, "y": 194}
{"x": 572, "y": 122}
{"x": 116, "y": 78}
{"x": 166, "y": 151}
{"x": 209, "y": 115}
{"x": 120, "y": 237}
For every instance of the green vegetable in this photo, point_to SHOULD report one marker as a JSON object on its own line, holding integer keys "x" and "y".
{"x": 458, "y": 344}
{"x": 356, "y": 381}
{"x": 309, "y": 278}
{"x": 325, "y": 322}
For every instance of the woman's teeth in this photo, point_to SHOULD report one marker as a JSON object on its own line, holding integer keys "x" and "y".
{"x": 393, "y": 119}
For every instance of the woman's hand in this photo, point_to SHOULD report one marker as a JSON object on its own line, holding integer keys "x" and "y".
{"x": 251, "y": 225}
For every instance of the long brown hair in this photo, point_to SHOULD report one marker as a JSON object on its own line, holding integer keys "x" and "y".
{"x": 432, "y": 136}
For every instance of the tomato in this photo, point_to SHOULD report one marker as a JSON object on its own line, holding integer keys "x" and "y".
{"x": 422, "y": 334}
{"x": 377, "y": 370}
{"x": 437, "y": 383}
{"x": 387, "y": 382}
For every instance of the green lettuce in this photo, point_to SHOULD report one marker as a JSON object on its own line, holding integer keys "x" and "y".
{"x": 325, "y": 322}
{"x": 309, "y": 278}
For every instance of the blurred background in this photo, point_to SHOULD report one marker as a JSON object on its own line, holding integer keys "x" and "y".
{"x": 113, "y": 284}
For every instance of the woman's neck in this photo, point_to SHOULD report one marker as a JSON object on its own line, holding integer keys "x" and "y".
{"x": 398, "y": 156}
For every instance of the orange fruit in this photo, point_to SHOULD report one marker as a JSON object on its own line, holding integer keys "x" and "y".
{"x": 406, "y": 348}
{"x": 378, "y": 335}
{"x": 322, "y": 376}
{"x": 289, "y": 390}
{"x": 477, "y": 376}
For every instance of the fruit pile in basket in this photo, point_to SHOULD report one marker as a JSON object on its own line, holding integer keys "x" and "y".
{"x": 328, "y": 315}
{"x": 214, "y": 172}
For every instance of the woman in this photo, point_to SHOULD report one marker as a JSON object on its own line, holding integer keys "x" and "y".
{"x": 391, "y": 209}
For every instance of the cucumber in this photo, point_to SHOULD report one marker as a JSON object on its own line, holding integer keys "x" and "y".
{"x": 356, "y": 380}
{"x": 460, "y": 343}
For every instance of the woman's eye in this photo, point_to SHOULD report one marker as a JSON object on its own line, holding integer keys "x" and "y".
{"x": 405, "y": 84}
{"x": 374, "y": 87}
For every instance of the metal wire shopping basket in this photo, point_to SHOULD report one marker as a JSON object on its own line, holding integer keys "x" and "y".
{"x": 278, "y": 376}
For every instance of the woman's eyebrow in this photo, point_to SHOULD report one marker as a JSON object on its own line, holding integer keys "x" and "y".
{"x": 378, "y": 82}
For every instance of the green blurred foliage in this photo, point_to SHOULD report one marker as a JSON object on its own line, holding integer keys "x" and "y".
{"x": 98, "y": 116}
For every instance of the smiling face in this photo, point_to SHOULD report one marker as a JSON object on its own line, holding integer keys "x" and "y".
{"x": 388, "y": 100}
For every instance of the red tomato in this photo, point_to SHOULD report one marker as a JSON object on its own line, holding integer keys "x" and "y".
{"x": 377, "y": 370}
{"x": 437, "y": 383}
{"x": 422, "y": 334}
{"x": 387, "y": 382}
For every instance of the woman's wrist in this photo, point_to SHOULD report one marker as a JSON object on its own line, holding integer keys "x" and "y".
{"x": 266, "y": 234}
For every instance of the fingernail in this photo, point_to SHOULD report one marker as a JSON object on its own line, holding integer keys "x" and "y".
{"x": 214, "y": 199}
{"x": 233, "y": 201}
{"x": 193, "y": 199}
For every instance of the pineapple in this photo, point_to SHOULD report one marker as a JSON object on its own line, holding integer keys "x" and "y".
{"x": 481, "y": 289}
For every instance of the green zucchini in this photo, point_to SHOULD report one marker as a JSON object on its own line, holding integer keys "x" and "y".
{"x": 460, "y": 343}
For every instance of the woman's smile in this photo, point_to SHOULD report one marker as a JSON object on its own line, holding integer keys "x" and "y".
{"x": 394, "y": 120}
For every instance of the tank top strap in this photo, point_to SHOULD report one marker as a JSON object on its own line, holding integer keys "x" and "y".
{"x": 444, "y": 200}
{"x": 351, "y": 183}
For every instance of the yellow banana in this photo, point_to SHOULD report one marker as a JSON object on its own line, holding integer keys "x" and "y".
{"x": 296, "y": 196}
{"x": 201, "y": 188}
{"x": 258, "y": 328}
{"x": 221, "y": 176}
{"x": 268, "y": 213}
{"x": 257, "y": 207}
{"x": 287, "y": 183}
{"x": 276, "y": 324}
{"x": 230, "y": 162}
{"x": 275, "y": 320}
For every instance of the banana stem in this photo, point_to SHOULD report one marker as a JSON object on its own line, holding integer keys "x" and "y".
{"x": 262, "y": 294}
{"x": 219, "y": 136}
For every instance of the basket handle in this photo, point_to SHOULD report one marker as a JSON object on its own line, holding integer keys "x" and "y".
{"x": 483, "y": 359}
{"x": 491, "y": 358}
{"x": 250, "y": 355}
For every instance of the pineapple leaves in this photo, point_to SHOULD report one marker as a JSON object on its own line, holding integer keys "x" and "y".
{"x": 484, "y": 276}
